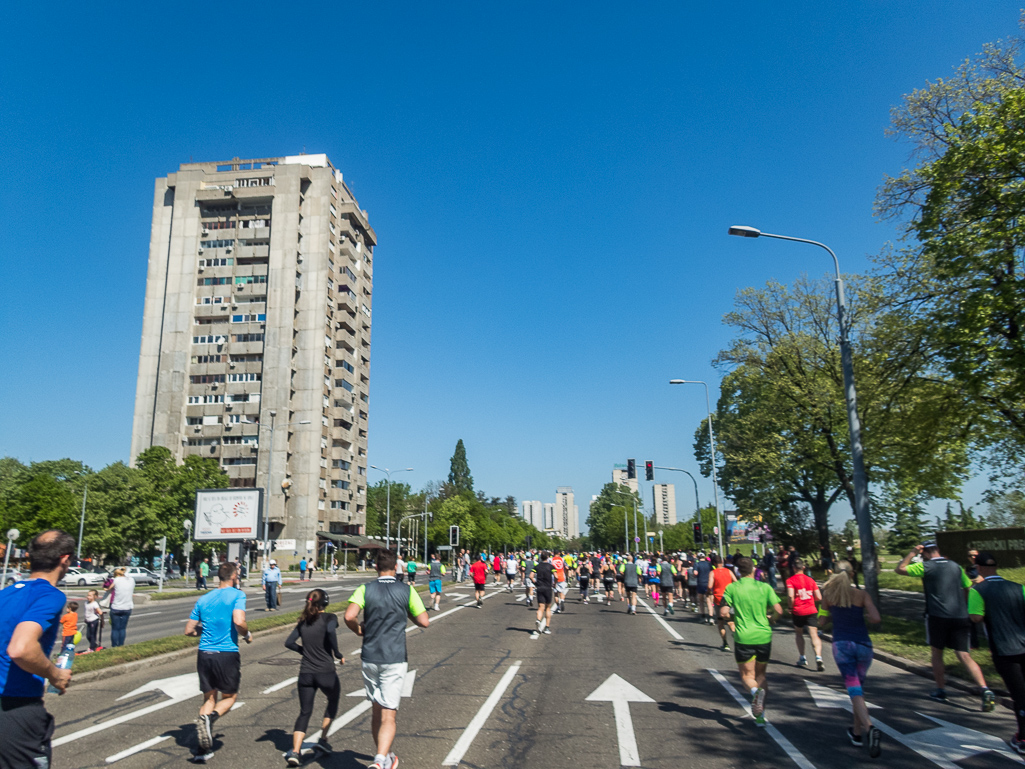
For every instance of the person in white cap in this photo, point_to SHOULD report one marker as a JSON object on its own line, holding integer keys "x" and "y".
{"x": 271, "y": 581}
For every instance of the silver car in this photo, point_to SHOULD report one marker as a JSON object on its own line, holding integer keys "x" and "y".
{"x": 141, "y": 575}
{"x": 83, "y": 577}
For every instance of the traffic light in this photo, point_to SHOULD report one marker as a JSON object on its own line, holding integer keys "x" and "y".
{"x": 649, "y": 470}
{"x": 631, "y": 469}
{"x": 697, "y": 534}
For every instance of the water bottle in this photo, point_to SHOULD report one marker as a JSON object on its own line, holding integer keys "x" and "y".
{"x": 64, "y": 662}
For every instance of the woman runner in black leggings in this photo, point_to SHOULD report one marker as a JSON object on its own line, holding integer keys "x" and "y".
{"x": 319, "y": 648}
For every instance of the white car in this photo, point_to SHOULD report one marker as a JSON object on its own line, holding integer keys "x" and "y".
{"x": 142, "y": 576}
{"x": 82, "y": 577}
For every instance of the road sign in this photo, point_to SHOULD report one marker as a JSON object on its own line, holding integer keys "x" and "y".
{"x": 444, "y": 547}
{"x": 621, "y": 694}
{"x": 637, "y": 539}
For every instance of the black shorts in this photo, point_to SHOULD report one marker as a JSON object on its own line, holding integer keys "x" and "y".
{"x": 948, "y": 633}
{"x": 805, "y": 620}
{"x": 619, "y": 578}
{"x": 25, "y": 732}
{"x": 608, "y": 583}
{"x": 219, "y": 670}
{"x": 630, "y": 589}
{"x": 760, "y": 652}
{"x": 480, "y": 586}
{"x": 544, "y": 595}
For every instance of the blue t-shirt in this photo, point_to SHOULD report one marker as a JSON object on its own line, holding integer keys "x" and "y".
{"x": 302, "y": 565}
{"x": 29, "y": 601}
{"x": 214, "y": 610}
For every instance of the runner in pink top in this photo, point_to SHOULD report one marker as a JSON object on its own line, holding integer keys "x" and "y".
{"x": 804, "y": 596}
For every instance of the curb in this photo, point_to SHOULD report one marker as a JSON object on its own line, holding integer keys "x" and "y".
{"x": 925, "y": 671}
{"x": 159, "y": 659}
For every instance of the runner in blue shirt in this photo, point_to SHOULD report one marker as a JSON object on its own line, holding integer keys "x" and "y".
{"x": 220, "y": 616}
{"x": 29, "y": 622}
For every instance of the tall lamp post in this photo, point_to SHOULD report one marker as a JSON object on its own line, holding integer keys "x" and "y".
{"x": 12, "y": 534}
{"x": 270, "y": 471}
{"x": 711, "y": 442}
{"x": 859, "y": 480}
{"x": 386, "y": 471}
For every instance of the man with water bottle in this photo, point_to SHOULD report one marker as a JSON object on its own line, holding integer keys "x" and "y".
{"x": 30, "y": 613}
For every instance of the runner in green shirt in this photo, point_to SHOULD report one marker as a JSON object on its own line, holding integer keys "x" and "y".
{"x": 750, "y": 600}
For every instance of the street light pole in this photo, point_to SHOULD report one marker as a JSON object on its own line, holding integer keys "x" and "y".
{"x": 386, "y": 471}
{"x": 12, "y": 534}
{"x": 81, "y": 527}
{"x": 711, "y": 442}
{"x": 859, "y": 479}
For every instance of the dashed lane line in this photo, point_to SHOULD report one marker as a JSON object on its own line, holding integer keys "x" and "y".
{"x": 473, "y": 729}
{"x": 282, "y": 685}
{"x": 788, "y": 747}
{"x": 662, "y": 622}
{"x": 137, "y": 748}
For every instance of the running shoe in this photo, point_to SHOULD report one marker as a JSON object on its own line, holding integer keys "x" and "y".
{"x": 760, "y": 720}
{"x": 855, "y": 739}
{"x": 940, "y": 695}
{"x": 537, "y": 624}
{"x": 758, "y": 702}
{"x": 1018, "y": 746}
{"x": 820, "y": 665}
{"x": 204, "y": 734}
{"x": 671, "y": 610}
{"x": 393, "y": 761}
{"x": 725, "y": 647}
{"x": 547, "y": 631}
{"x": 802, "y": 662}
{"x": 292, "y": 758}
{"x": 872, "y": 742}
{"x": 989, "y": 701}
{"x": 201, "y": 758}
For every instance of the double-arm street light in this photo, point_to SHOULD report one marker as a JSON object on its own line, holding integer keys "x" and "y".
{"x": 386, "y": 471}
{"x": 859, "y": 481}
{"x": 270, "y": 471}
{"x": 711, "y": 442}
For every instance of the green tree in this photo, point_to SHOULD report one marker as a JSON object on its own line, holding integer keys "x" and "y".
{"x": 459, "y": 477}
{"x": 606, "y": 515}
{"x": 1007, "y": 509}
{"x": 781, "y": 417}
{"x": 962, "y": 205}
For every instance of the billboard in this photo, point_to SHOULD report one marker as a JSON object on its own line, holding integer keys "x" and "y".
{"x": 1006, "y": 544}
{"x": 227, "y": 515}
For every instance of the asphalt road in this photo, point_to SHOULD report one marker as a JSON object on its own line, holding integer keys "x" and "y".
{"x": 488, "y": 693}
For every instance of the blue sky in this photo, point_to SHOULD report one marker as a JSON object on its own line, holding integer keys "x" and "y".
{"x": 550, "y": 184}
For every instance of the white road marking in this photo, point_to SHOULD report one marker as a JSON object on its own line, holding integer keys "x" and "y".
{"x": 662, "y": 622}
{"x": 788, "y": 747}
{"x": 349, "y": 715}
{"x": 282, "y": 685}
{"x": 137, "y": 748}
{"x": 473, "y": 729}
{"x": 147, "y": 614}
{"x": 621, "y": 693}
{"x": 103, "y": 726}
{"x": 521, "y": 598}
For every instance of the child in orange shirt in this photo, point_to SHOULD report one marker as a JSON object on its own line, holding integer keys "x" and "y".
{"x": 69, "y": 622}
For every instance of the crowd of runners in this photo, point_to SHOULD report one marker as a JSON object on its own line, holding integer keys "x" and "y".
{"x": 733, "y": 594}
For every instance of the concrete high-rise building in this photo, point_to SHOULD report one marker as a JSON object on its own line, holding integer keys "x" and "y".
{"x": 549, "y": 517}
{"x": 531, "y": 512}
{"x": 567, "y": 515}
{"x": 663, "y": 498}
{"x": 619, "y": 477}
{"x": 258, "y": 302}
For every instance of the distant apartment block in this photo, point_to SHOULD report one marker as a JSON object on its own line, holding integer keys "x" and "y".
{"x": 567, "y": 514}
{"x": 663, "y": 497}
{"x": 619, "y": 477}
{"x": 532, "y": 512}
{"x": 258, "y": 302}
{"x": 549, "y": 518}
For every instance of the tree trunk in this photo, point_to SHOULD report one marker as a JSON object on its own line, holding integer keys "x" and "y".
{"x": 820, "y": 505}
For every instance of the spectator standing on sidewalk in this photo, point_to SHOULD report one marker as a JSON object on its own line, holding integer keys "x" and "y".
{"x": 271, "y": 580}
{"x": 946, "y": 616}
{"x": 204, "y": 572}
{"x": 386, "y": 604}
{"x": 1000, "y": 603}
{"x": 122, "y": 602}
{"x": 30, "y": 613}
{"x": 302, "y": 569}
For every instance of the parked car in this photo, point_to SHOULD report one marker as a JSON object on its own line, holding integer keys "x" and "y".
{"x": 13, "y": 575}
{"x": 141, "y": 575}
{"x": 82, "y": 577}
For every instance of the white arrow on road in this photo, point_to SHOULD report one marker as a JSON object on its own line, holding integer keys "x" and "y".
{"x": 178, "y": 688}
{"x": 943, "y": 745}
{"x": 621, "y": 694}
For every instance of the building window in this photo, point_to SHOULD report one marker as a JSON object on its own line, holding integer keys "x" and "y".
{"x": 208, "y": 321}
{"x": 210, "y": 339}
{"x": 340, "y": 464}
{"x": 339, "y": 484}
{"x": 243, "y": 378}
{"x": 204, "y": 399}
{"x": 211, "y": 299}
{"x": 223, "y": 243}
{"x": 206, "y": 378}
{"x": 204, "y": 441}
{"x": 238, "y": 461}
{"x": 247, "y": 337}
{"x": 344, "y": 364}
{"x": 216, "y": 281}
{"x": 245, "y": 280}
{"x": 344, "y": 384}
{"x": 208, "y": 358}
{"x": 259, "y": 317}
{"x": 239, "y": 440}
{"x": 256, "y": 181}
{"x": 216, "y": 262}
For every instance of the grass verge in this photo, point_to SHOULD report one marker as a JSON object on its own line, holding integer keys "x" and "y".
{"x": 167, "y": 595}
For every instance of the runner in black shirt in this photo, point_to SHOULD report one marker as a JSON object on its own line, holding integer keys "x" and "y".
{"x": 319, "y": 648}
{"x": 544, "y": 581}
{"x": 1000, "y": 603}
